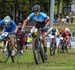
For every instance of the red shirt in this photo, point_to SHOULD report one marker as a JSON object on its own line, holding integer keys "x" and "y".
{"x": 64, "y": 34}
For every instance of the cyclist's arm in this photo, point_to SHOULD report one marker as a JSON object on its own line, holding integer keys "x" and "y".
{"x": 27, "y": 19}
{"x": 49, "y": 30}
{"x": 47, "y": 21}
{"x": 57, "y": 32}
{"x": 66, "y": 35}
{"x": 46, "y": 18}
{"x": 2, "y": 22}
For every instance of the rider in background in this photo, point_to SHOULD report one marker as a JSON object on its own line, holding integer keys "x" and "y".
{"x": 21, "y": 36}
{"x": 53, "y": 31}
{"x": 70, "y": 35}
{"x": 41, "y": 20}
{"x": 9, "y": 26}
{"x": 68, "y": 31}
{"x": 64, "y": 34}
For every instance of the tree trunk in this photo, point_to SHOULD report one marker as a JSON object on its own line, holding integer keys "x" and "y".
{"x": 58, "y": 7}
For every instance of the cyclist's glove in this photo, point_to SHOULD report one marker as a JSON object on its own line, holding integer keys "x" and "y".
{"x": 23, "y": 30}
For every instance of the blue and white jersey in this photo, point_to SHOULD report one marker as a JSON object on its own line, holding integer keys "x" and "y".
{"x": 50, "y": 31}
{"x": 40, "y": 18}
{"x": 10, "y": 28}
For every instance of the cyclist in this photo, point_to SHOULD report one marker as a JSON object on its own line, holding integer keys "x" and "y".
{"x": 64, "y": 34}
{"x": 68, "y": 31}
{"x": 9, "y": 26}
{"x": 53, "y": 31}
{"x": 70, "y": 35}
{"x": 41, "y": 19}
{"x": 53, "y": 34}
{"x": 21, "y": 36}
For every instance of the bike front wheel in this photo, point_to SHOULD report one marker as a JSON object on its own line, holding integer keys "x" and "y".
{"x": 37, "y": 51}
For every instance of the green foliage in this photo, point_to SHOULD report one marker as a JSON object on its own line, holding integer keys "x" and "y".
{"x": 25, "y": 5}
{"x": 5, "y": 6}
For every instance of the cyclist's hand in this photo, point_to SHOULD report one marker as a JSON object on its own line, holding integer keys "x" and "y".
{"x": 22, "y": 30}
{"x": 0, "y": 32}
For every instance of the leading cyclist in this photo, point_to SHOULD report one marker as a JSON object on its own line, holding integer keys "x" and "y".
{"x": 42, "y": 20}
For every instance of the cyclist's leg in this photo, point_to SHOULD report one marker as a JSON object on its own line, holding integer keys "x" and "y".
{"x": 8, "y": 54}
{"x": 44, "y": 44}
{"x": 21, "y": 47}
{"x": 12, "y": 41}
{"x": 12, "y": 58}
{"x": 66, "y": 45}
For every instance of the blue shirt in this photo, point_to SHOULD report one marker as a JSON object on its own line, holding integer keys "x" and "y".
{"x": 11, "y": 28}
{"x": 40, "y": 18}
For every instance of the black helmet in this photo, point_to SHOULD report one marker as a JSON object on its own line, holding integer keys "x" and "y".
{"x": 54, "y": 29}
{"x": 36, "y": 8}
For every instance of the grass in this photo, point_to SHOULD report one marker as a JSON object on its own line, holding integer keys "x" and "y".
{"x": 65, "y": 25}
{"x": 59, "y": 61}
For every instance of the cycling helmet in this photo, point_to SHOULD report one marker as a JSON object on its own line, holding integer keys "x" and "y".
{"x": 67, "y": 29}
{"x": 36, "y": 8}
{"x": 62, "y": 30}
{"x": 7, "y": 20}
{"x": 54, "y": 29}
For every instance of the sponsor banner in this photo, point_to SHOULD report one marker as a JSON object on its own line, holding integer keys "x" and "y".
{"x": 48, "y": 41}
{"x": 72, "y": 41}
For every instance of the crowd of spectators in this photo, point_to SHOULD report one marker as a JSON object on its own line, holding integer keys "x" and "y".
{"x": 66, "y": 19}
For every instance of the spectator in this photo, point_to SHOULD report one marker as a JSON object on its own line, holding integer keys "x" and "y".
{"x": 67, "y": 19}
{"x": 29, "y": 41}
{"x": 73, "y": 34}
{"x": 71, "y": 17}
{"x": 63, "y": 20}
{"x": 56, "y": 20}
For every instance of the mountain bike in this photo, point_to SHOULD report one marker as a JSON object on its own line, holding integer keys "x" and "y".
{"x": 9, "y": 49}
{"x": 52, "y": 45}
{"x": 62, "y": 47}
{"x": 37, "y": 48}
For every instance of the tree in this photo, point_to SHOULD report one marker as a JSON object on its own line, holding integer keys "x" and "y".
{"x": 5, "y": 6}
{"x": 23, "y": 7}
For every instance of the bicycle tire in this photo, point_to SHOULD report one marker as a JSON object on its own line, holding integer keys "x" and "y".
{"x": 38, "y": 52}
{"x": 52, "y": 49}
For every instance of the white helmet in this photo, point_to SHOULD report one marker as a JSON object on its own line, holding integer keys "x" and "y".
{"x": 67, "y": 29}
{"x": 7, "y": 19}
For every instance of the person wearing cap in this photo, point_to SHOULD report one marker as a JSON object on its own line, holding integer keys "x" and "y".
{"x": 9, "y": 26}
{"x": 41, "y": 19}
